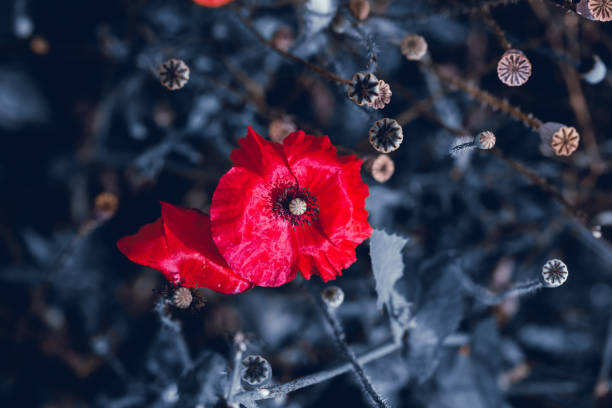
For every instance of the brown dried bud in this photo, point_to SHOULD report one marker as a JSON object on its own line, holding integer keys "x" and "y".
{"x": 384, "y": 95}
{"x": 363, "y": 88}
{"x": 106, "y": 205}
{"x": 283, "y": 38}
{"x": 333, "y": 296}
{"x": 386, "y": 135}
{"x": 554, "y": 273}
{"x": 601, "y": 10}
{"x": 360, "y": 9}
{"x": 182, "y": 298}
{"x": 485, "y": 140}
{"x": 413, "y": 46}
{"x": 173, "y": 74}
{"x": 279, "y": 129}
{"x": 514, "y": 68}
{"x": 381, "y": 167}
{"x": 558, "y": 138}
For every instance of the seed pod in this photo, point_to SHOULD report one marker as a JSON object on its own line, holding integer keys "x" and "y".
{"x": 413, "y": 46}
{"x": 182, "y": 298}
{"x": 485, "y": 140}
{"x": 333, "y": 296}
{"x": 255, "y": 372}
{"x": 363, "y": 88}
{"x": 558, "y": 139}
{"x": 360, "y": 9}
{"x": 283, "y": 38}
{"x": 554, "y": 273}
{"x": 173, "y": 74}
{"x": 279, "y": 129}
{"x": 106, "y": 205}
{"x": 601, "y": 10}
{"x": 386, "y": 135}
{"x": 593, "y": 70}
{"x": 381, "y": 167}
{"x": 514, "y": 68}
{"x": 384, "y": 96}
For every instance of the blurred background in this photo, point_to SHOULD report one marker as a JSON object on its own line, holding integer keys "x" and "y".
{"x": 91, "y": 141}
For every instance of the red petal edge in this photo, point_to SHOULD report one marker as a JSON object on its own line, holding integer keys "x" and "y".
{"x": 179, "y": 244}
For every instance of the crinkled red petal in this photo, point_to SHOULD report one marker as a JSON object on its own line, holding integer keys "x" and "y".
{"x": 179, "y": 244}
{"x": 329, "y": 245}
{"x": 257, "y": 245}
{"x": 212, "y": 3}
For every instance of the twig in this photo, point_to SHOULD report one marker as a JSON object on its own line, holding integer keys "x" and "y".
{"x": 489, "y": 298}
{"x": 240, "y": 347}
{"x": 497, "y": 30}
{"x": 493, "y": 102}
{"x": 340, "y": 338}
{"x": 315, "y": 68}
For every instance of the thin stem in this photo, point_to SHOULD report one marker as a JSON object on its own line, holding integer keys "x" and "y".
{"x": 239, "y": 346}
{"x": 497, "y": 30}
{"x": 316, "y": 378}
{"x": 545, "y": 186}
{"x": 340, "y": 338}
{"x": 489, "y": 298}
{"x": 493, "y": 102}
{"x": 315, "y": 68}
{"x": 453, "y": 340}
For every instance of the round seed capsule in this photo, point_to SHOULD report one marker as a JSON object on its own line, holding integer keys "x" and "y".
{"x": 255, "y": 371}
{"x": 413, "y": 46}
{"x": 363, "y": 88}
{"x": 173, "y": 74}
{"x": 380, "y": 167}
{"x": 333, "y": 296}
{"x": 558, "y": 139}
{"x": 279, "y": 129}
{"x": 554, "y": 273}
{"x": 182, "y": 298}
{"x": 386, "y": 135}
{"x": 514, "y": 68}
{"x": 601, "y": 10}
{"x": 360, "y": 9}
{"x": 485, "y": 140}
{"x": 565, "y": 141}
{"x": 384, "y": 96}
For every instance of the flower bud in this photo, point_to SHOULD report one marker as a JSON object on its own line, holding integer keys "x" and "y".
{"x": 333, "y": 296}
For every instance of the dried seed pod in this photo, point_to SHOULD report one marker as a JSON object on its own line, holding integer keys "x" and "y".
{"x": 384, "y": 96}
{"x": 593, "y": 70}
{"x": 565, "y": 141}
{"x": 485, "y": 140}
{"x": 386, "y": 135}
{"x": 279, "y": 129}
{"x": 363, "y": 88}
{"x": 182, "y": 298}
{"x": 173, "y": 74}
{"x": 283, "y": 38}
{"x": 601, "y": 10}
{"x": 360, "y": 9}
{"x": 106, "y": 205}
{"x": 514, "y": 68}
{"x": 381, "y": 167}
{"x": 554, "y": 273}
{"x": 558, "y": 139}
{"x": 413, "y": 46}
{"x": 255, "y": 371}
{"x": 333, "y": 296}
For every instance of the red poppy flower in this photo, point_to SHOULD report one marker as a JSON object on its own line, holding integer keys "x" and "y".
{"x": 212, "y": 3}
{"x": 179, "y": 245}
{"x": 284, "y": 208}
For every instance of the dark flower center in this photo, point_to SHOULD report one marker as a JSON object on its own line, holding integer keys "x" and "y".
{"x": 295, "y": 205}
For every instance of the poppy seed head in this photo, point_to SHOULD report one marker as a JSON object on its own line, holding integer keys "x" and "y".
{"x": 554, "y": 273}
{"x": 386, "y": 135}
{"x": 173, "y": 74}
{"x": 256, "y": 371}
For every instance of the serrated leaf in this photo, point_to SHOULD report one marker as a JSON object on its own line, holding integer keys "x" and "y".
{"x": 387, "y": 263}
